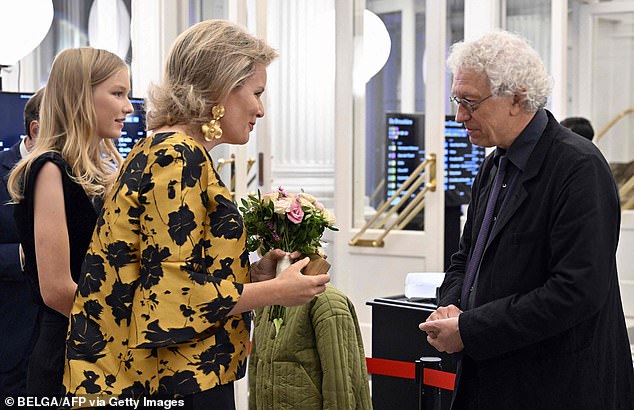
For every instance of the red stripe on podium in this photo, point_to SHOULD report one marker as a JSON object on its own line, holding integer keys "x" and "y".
{"x": 438, "y": 378}
{"x": 407, "y": 370}
{"x": 394, "y": 368}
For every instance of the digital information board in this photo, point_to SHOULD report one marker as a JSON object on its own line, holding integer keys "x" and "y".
{"x": 406, "y": 150}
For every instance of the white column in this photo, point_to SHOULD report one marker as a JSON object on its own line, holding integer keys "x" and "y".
{"x": 408, "y": 56}
{"x": 300, "y": 90}
{"x": 155, "y": 24}
{"x": 480, "y": 16}
{"x": 559, "y": 57}
{"x": 435, "y": 28}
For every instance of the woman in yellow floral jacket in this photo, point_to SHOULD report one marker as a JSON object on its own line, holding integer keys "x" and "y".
{"x": 162, "y": 309}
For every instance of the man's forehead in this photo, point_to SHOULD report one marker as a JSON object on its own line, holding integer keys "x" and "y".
{"x": 466, "y": 81}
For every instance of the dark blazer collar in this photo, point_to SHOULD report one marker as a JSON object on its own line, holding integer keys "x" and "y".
{"x": 10, "y": 157}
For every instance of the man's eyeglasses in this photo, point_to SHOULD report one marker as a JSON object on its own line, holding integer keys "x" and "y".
{"x": 470, "y": 106}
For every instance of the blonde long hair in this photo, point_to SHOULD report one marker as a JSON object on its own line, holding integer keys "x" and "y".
{"x": 205, "y": 63}
{"x": 68, "y": 122}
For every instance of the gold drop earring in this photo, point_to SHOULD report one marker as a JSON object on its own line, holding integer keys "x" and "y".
{"x": 212, "y": 130}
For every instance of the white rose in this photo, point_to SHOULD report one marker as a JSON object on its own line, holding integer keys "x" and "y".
{"x": 282, "y": 206}
{"x": 330, "y": 217}
{"x": 308, "y": 197}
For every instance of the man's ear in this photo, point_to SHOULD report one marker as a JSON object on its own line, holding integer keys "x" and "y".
{"x": 516, "y": 106}
{"x": 34, "y": 129}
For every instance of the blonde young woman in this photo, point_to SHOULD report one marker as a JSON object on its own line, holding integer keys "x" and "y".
{"x": 59, "y": 188}
{"x": 165, "y": 293}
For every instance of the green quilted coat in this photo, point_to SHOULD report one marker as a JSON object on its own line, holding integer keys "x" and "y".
{"x": 315, "y": 362}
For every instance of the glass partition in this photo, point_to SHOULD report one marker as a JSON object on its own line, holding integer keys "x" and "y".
{"x": 531, "y": 19}
{"x": 394, "y": 99}
{"x": 612, "y": 97}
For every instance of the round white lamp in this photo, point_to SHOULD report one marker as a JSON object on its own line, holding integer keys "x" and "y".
{"x": 23, "y": 26}
{"x": 372, "y": 55}
{"x": 109, "y": 26}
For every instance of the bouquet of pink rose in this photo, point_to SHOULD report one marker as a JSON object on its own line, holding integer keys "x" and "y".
{"x": 291, "y": 222}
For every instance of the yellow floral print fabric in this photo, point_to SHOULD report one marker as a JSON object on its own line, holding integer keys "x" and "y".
{"x": 166, "y": 263}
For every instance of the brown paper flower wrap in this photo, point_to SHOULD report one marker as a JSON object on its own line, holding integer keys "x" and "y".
{"x": 316, "y": 266}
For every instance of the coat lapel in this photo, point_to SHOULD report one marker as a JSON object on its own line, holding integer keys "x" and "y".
{"x": 519, "y": 194}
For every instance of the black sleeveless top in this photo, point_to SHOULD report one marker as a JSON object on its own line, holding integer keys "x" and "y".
{"x": 81, "y": 216}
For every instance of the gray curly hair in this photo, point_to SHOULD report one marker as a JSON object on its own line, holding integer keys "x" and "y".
{"x": 512, "y": 66}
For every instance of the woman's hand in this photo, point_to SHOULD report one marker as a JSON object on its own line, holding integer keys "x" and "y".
{"x": 289, "y": 288}
{"x": 264, "y": 269}
{"x": 294, "y": 288}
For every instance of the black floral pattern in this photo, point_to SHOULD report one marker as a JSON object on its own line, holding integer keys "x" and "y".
{"x": 93, "y": 275}
{"x": 137, "y": 390}
{"x": 218, "y": 355}
{"x": 120, "y": 301}
{"x": 195, "y": 160}
{"x": 166, "y": 265}
{"x": 226, "y": 220}
{"x": 132, "y": 174}
{"x": 162, "y": 337}
{"x": 93, "y": 308}
{"x": 86, "y": 340}
{"x": 181, "y": 223}
{"x": 119, "y": 254}
{"x": 151, "y": 270}
{"x": 89, "y": 382}
{"x": 216, "y": 309}
{"x": 162, "y": 158}
{"x": 244, "y": 258}
{"x": 179, "y": 384}
{"x": 225, "y": 268}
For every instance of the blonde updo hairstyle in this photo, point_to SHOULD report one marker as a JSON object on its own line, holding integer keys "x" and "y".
{"x": 68, "y": 122}
{"x": 205, "y": 63}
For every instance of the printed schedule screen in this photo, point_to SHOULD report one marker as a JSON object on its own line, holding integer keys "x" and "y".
{"x": 406, "y": 150}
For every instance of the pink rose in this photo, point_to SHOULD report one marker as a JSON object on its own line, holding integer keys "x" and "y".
{"x": 281, "y": 192}
{"x": 296, "y": 213}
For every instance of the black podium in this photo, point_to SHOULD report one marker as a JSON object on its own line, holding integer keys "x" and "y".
{"x": 395, "y": 336}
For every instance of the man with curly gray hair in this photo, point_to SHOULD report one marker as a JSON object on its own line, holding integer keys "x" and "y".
{"x": 531, "y": 300}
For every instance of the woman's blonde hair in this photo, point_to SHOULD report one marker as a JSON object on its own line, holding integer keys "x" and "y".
{"x": 68, "y": 122}
{"x": 205, "y": 63}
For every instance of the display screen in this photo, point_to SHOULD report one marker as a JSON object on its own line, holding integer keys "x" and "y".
{"x": 12, "y": 122}
{"x": 133, "y": 128}
{"x": 406, "y": 150}
{"x": 12, "y": 118}
{"x": 462, "y": 161}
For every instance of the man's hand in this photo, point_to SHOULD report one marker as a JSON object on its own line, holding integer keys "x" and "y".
{"x": 444, "y": 312}
{"x": 442, "y": 329}
{"x": 443, "y": 334}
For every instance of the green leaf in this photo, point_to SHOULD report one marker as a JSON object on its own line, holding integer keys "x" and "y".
{"x": 278, "y": 324}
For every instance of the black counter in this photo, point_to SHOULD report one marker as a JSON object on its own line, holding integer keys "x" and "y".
{"x": 396, "y": 336}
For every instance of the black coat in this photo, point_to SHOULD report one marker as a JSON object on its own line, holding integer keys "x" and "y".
{"x": 17, "y": 311}
{"x": 547, "y": 329}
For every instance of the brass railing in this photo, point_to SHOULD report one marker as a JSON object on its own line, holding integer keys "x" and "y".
{"x": 610, "y": 124}
{"x": 386, "y": 211}
{"x": 625, "y": 189}
{"x": 232, "y": 160}
{"x": 628, "y": 186}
